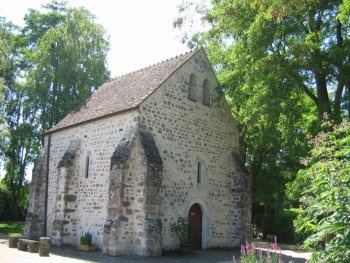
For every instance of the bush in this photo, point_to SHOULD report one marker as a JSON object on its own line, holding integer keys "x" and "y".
{"x": 280, "y": 225}
{"x": 5, "y": 201}
{"x": 6, "y": 212}
{"x": 182, "y": 229}
{"x": 326, "y": 201}
{"x": 86, "y": 239}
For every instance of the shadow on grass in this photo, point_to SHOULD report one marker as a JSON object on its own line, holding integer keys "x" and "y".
{"x": 11, "y": 227}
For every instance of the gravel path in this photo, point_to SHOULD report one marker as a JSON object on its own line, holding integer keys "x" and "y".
{"x": 71, "y": 255}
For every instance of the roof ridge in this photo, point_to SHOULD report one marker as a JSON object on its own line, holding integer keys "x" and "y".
{"x": 152, "y": 65}
{"x": 134, "y": 88}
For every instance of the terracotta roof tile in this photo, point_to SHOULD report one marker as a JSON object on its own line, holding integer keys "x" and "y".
{"x": 124, "y": 92}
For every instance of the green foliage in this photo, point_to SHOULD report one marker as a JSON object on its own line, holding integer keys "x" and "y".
{"x": 47, "y": 68}
{"x": 258, "y": 46}
{"x": 3, "y": 128}
{"x": 11, "y": 227}
{"x": 281, "y": 65}
{"x": 86, "y": 239}
{"x": 18, "y": 135}
{"x": 280, "y": 225}
{"x": 68, "y": 52}
{"x": 6, "y": 78}
{"x": 182, "y": 229}
{"x": 5, "y": 201}
{"x": 325, "y": 199}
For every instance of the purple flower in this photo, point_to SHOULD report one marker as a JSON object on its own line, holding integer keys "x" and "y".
{"x": 242, "y": 249}
{"x": 247, "y": 247}
{"x": 233, "y": 259}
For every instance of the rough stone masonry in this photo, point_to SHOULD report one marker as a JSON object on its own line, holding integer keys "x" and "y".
{"x": 140, "y": 152}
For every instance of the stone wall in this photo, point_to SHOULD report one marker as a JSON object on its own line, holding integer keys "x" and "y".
{"x": 88, "y": 196}
{"x": 187, "y": 132}
{"x": 127, "y": 177}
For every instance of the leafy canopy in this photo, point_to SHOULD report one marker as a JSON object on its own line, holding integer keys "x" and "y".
{"x": 47, "y": 68}
{"x": 282, "y": 65}
{"x": 67, "y": 52}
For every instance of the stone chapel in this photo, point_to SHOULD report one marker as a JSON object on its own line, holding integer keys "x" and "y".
{"x": 143, "y": 150}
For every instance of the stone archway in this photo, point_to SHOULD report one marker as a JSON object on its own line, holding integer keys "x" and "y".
{"x": 195, "y": 214}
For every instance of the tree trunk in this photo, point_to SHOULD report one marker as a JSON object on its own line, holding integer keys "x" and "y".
{"x": 340, "y": 87}
{"x": 324, "y": 104}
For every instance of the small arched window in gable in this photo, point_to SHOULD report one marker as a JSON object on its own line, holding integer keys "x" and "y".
{"x": 193, "y": 88}
{"x": 206, "y": 92}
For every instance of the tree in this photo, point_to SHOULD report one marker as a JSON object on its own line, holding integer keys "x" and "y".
{"x": 22, "y": 147}
{"x": 19, "y": 138}
{"x": 326, "y": 192}
{"x": 68, "y": 55}
{"x": 305, "y": 43}
{"x": 49, "y": 67}
{"x": 282, "y": 65}
{"x": 5, "y": 78}
{"x": 3, "y": 129}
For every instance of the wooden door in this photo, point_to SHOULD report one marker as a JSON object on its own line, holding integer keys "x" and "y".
{"x": 195, "y": 214}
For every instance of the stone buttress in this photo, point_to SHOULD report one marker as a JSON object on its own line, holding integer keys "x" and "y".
{"x": 65, "y": 223}
{"x": 133, "y": 223}
{"x": 35, "y": 220}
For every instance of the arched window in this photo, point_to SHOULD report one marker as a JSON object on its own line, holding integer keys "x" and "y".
{"x": 206, "y": 92}
{"x": 193, "y": 88}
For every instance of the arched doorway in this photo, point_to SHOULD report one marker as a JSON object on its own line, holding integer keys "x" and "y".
{"x": 195, "y": 214}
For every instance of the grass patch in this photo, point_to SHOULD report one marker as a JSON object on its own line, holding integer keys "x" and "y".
{"x": 11, "y": 227}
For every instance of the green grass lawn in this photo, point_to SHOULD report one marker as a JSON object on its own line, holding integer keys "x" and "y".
{"x": 11, "y": 227}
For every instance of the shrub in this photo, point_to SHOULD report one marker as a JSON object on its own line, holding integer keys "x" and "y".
{"x": 182, "y": 229}
{"x": 86, "y": 239}
{"x": 280, "y": 225}
{"x": 5, "y": 201}
{"x": 326, "y": 201}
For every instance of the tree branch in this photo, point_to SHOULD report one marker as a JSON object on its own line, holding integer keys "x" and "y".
{"x": 309, "y": 94}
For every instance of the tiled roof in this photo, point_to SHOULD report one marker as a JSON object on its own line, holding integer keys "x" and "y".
{"x": 123, "y": 93}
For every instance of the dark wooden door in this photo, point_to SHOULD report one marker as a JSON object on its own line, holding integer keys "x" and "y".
{"x": 195, "y": 214}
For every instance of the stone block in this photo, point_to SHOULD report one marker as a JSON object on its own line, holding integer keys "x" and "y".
{"x": 44, "y": 246}
{"x": 13, "y": 240}
{"x": 69, "y": 198}
{"x": 33, "y": 247}
{"x": 22, "y": 246}
{"x": 123, "y": 218}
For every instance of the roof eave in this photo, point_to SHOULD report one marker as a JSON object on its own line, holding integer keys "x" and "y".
{"x": 53, "y": 130}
